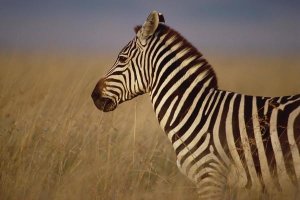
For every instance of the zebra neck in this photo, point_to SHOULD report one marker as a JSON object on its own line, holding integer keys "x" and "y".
{"x": 177, "y": 74}
{"x": 176, "y": 92}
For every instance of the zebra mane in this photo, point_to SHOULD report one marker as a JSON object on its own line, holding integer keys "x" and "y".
{"x": 163, "y": 29}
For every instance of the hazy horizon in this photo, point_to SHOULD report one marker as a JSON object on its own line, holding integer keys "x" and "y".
{"x": 230, "y": 26}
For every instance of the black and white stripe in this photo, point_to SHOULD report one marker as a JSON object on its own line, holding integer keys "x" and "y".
{"x": 224, "y": 141}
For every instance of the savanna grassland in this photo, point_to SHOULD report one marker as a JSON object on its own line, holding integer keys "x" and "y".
{"x": 55, "y": 144}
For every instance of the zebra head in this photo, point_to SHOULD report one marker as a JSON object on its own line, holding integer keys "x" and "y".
{"x": 128, "y": 77}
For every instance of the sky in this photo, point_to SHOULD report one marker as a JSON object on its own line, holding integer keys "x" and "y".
{"x": 256, "y": 26}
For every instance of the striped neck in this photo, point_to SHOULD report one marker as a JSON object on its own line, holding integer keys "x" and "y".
{"x": 178, "y": 71}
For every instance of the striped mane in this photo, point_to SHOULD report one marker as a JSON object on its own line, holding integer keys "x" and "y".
{"x": 163, "y": 29}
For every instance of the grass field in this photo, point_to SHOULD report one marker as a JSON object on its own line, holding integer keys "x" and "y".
{"x": 54, "y": 143}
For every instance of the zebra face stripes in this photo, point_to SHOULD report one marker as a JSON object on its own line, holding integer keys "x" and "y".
{"x": 223, "y": 140}
{"x": 124, "y": 81}
{"x": 130, "y": 75}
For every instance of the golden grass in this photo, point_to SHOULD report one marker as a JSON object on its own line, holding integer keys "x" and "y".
{"x": 260, "y": 75}
{"x": 54, "y": 143}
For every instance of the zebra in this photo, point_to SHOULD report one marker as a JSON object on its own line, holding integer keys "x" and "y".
{"x": 225, "y": 142}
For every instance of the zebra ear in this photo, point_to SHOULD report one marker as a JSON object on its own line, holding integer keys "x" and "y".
{"x": 151, "y": 24}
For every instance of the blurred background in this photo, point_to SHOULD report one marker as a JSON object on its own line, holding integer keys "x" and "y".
{"x": 229, "y": 26}
{"x": 54, "y": 143}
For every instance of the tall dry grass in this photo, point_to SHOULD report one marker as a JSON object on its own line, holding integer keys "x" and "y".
{"x": 276, "y": 75}
{"x": 54, "y": 143}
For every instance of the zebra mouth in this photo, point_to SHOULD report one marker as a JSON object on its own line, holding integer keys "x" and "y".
{"x": 105, "y": 104}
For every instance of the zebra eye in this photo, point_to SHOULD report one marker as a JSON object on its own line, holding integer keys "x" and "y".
{"x": 122, "y": 59}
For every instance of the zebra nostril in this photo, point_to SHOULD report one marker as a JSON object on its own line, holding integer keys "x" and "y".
{"x": 95, "y": 95}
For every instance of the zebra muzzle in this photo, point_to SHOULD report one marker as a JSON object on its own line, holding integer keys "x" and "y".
{"x": 104, "y": 104}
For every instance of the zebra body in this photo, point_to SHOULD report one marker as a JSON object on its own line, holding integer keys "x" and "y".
{"x": 223, "y": 140}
